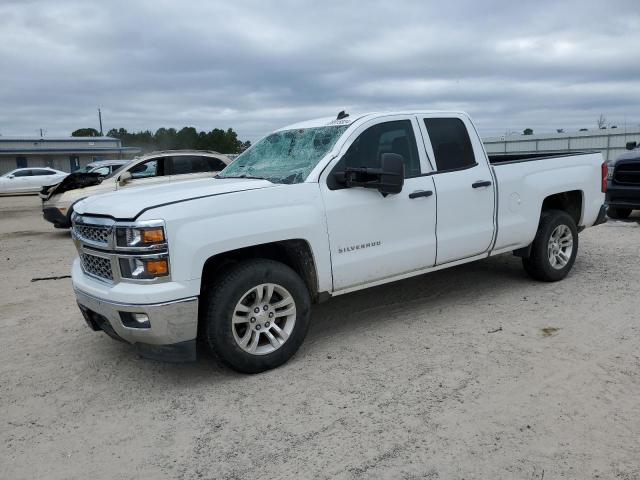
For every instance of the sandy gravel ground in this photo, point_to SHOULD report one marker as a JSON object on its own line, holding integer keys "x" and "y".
{"x": 401, "y": 381}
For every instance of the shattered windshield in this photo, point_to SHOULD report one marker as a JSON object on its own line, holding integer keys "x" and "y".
{"x": 285, "y": 157}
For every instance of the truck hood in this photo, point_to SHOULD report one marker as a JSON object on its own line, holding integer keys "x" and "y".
{"x": 127, "y": 204}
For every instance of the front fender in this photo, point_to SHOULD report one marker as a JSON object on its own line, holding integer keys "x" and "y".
{"x": 202, "y": 228}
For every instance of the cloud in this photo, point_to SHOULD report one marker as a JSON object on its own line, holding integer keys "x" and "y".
{"x": 258, "y": 65}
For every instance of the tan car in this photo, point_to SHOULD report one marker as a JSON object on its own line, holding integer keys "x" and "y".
{"x": 150, "y": 169}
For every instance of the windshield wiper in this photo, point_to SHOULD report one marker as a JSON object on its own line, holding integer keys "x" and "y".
{"x": 241, "y": 176}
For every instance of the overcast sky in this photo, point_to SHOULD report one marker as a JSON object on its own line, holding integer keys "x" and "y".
{"x": 258, "y": 65}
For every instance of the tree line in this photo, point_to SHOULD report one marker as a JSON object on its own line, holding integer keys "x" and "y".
{"x": 223, "y": 141}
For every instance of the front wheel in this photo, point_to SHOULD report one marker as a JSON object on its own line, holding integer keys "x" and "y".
{"x": 619, "y": 213}
{"x": 257, "y": 315}
{"x": 554, "y": 248}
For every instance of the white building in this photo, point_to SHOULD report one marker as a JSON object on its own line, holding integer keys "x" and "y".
{"x": 611, "y": 142}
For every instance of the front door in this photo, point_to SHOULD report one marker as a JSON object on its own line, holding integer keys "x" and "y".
{"x": 374, "y": 237}
{"x": 21, "y": 181}
{"x": 149, "y": 172}
{"x": 464, "y": 185}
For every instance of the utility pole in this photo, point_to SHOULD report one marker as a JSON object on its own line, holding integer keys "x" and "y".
{"x": 100, "y": 120}
{"x": 40, "y": 133}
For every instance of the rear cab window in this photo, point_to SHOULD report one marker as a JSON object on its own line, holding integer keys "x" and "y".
{"x": 451, "y": 144}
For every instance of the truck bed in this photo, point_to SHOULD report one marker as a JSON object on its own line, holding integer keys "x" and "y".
{"x": 523, "y": 184}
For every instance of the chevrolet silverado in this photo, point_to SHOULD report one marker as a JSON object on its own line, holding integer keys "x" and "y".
{"x": 314, "y": 210}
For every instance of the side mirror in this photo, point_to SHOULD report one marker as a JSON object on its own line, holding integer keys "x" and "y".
{"x": 631, "y": 145}
{"x": 392, "y": 173}
{"x": 11, "y": 176}
{"x": 389, "y": 178}
{"x": 124, "y": 178}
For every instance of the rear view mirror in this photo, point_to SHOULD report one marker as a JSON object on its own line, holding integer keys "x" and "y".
{"x": 124, "y": 178}
{"x": 631, "y": 145}
{"x": 11, "y": 176}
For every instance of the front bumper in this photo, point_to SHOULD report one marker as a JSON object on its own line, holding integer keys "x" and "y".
{"x": 170, "y": 335}
{"x": 623, "y": 196}
{"x": 55, "y": 216}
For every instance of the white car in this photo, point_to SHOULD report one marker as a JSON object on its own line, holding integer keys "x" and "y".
{"x": 150, "y": 169}
{"x": 29, "y": 180}
{"x": 315, "y": 210}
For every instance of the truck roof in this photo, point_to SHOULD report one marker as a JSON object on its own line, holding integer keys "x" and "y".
{"x": 332, "y": 121}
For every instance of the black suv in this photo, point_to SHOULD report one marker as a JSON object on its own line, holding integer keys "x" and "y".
{"x": 623, "y": 189}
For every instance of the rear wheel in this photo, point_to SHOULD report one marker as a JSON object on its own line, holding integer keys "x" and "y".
{"x": 257, "y": 315}
{"x": 619, "y": 213}
{"x": 554, "y": 248}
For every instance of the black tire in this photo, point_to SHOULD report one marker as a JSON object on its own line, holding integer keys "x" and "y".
{"x": 228, "y": 290}
{"x": 538, "y": 264}
{"x": 619, "y": 213}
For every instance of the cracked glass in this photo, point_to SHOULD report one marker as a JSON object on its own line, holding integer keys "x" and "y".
{"x": 287, "y": 156}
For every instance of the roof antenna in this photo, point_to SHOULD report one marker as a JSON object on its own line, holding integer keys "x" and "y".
{"x": 342, "y": 115}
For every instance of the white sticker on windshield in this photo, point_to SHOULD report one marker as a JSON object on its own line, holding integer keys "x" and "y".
{"x": 344, "y": 121}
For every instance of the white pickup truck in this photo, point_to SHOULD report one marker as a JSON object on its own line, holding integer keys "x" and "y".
{"x": 314, "y": 210}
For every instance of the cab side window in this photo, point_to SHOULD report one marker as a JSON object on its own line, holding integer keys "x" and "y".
{"x": 150, "y": 168}
{"x": 184, "y": 164}
{"x": 389, "y": 137}
{"x": 451, "y": 143}
{"x": 22, "y": 173}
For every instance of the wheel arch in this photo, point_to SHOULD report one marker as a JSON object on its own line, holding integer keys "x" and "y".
{"x": 571, "y": 201}
{"x": 295, "y": 253}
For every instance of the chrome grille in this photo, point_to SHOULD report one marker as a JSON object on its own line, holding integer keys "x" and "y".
{"x": 97, "y": 234}
{"x": 97, "y": 266}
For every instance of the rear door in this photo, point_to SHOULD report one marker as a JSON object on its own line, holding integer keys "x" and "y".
{"x": 41, "y": 177}
{"x": 190, "y": 167}
{"x": 464, "y": 187}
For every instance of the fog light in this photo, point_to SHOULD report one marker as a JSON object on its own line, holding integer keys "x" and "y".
{"x": 135, "y": 320}
{"x": 140, "y": 317}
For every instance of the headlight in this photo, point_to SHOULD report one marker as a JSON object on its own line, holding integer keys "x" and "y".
{"x": 144, "y": 268}
{"x": 146, "y": 237}
{"x": 610, "y": 167}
